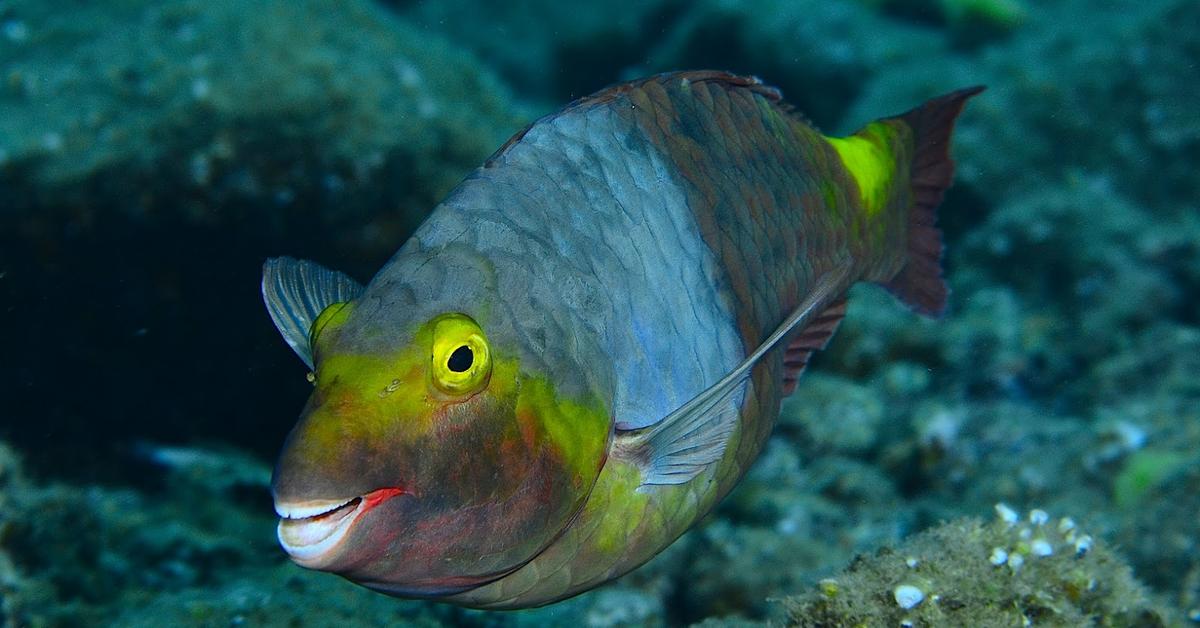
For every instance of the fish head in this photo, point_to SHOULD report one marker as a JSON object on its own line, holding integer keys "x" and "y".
{"x": 428, "y": 461}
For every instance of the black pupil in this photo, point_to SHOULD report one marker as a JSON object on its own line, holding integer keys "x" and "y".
{"x": 461, "y": 359}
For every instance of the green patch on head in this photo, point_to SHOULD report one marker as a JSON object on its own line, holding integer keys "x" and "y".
{"x": 577, "y": 429}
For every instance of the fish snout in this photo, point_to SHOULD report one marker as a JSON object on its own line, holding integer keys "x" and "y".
{"x": 328, "y": 478}
{"x": 313, "y": 532}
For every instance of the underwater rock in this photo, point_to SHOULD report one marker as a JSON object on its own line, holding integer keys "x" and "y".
{"x": 19, "y": 596}
{"x": 216, "y": 472}
{"x": 1160, "y": 533}
{"x": 1160, "y": 364}
{"x": 155, "y": 153}
{"x": 1105, "y": 103}
{"x": 1105, "y": 264}
{"x": 819, "y": 53}
{"x": 988, "y": 344}
{"x": 210, "y": 111}
{"x": 1016, "y": 570}
{"x": 1006, "y": 450}
{"x": 550, "y": 51}
{"x": 623, "y": 606}
{"x": 970, "y": 23}
{"x": 1162, "y": 108}
{"x": 1055, "y": 297}
{"x": 73, "y": 554}
{"x": 833, "y": 415}
{"x": 282, "y": 595}
{"x": 204, "y": 553}
{"x": 788, "y": 520}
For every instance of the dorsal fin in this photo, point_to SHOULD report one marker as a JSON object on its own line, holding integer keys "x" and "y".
{"x": 296, "y": 291}
{"x": 680, "y": 446}
{"x": 612, "y": 92}
{"x": 814, "y": 338}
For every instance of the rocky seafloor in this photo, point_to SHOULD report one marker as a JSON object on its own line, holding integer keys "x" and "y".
{"x": 152, "y": 154}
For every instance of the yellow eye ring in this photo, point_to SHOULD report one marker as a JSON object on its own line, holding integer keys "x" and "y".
{"x": 461, "y": 361}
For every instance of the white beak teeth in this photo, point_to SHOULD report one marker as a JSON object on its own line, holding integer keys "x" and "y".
{"x": 310, "y": 538}
{"x": 308, "y": 509}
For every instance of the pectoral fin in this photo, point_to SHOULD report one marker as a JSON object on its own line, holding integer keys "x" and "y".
{"x": 296, "y": 291}
{"x": 677, "y": 448}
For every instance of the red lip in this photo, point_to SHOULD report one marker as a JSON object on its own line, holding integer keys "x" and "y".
{"x": 376, "y": 497}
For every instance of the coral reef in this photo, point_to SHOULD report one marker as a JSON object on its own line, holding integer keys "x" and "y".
{"x": 202, "y": 551}
{"x": 1014, "y": 571}
{"x": 565, "y": 50}
{"x": 75, "y": 551}
{"x": 151, "y": 148}
{"x": 969, "y": 22}
{"x": 290, "y": 107}
{"x": 820, "y": 53}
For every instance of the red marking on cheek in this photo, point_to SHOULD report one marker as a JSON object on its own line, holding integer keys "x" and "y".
{"x": 376, "y": 497}
{"x": 510, "y": 449}
{"x": 526, "y": 423}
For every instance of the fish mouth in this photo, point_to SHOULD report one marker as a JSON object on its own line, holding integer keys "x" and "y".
{"x": 311, "y": 531}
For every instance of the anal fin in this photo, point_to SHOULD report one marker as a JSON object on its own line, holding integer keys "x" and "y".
{"x": 813, "y": 338}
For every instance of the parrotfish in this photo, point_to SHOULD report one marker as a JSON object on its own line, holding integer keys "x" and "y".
{"x": 585, "y": 346}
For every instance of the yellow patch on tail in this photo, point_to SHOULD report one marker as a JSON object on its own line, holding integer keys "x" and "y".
{"x": 867, "y": 156}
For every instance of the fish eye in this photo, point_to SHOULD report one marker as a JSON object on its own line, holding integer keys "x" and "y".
{"x": 461, "y": 360}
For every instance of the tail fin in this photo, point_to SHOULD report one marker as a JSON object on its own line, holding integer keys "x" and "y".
{"x": 919, "y": 283}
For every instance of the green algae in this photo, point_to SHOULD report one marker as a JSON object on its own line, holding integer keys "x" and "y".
{"x": 985, "y": 574}
{"x": 969, "y": 22}
{"x": 1143, "y": 472}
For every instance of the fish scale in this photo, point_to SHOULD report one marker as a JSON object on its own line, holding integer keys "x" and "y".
{"x": 733, "y": 195}
{"x": 627, "y": 226}
{"x": 641, "y": 263}
{"x": 744, "y": 231}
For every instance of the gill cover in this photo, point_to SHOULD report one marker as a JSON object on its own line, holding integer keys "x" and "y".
{"x": 296, "y": 292}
